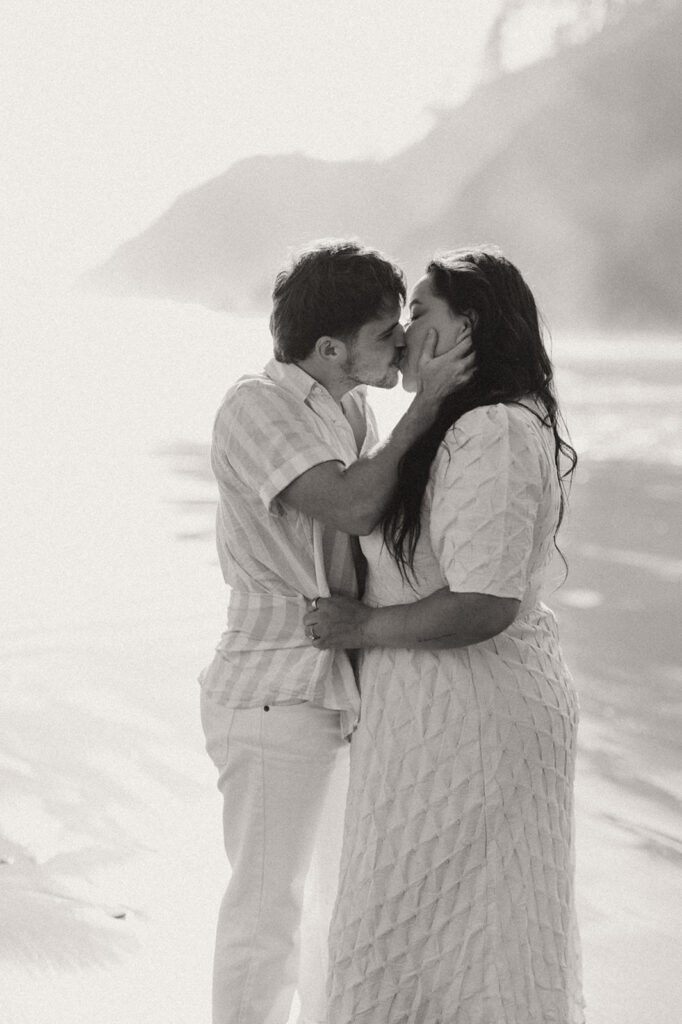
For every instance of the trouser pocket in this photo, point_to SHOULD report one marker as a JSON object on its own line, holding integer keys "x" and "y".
{"x": 217, "y": 722}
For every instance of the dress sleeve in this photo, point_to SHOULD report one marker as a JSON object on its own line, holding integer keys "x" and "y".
{"x": 487, "y": 491}
{"x": 262, "y": 435}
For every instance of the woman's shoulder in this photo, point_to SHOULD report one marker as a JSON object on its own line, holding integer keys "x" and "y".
{"x": 493, "y": 432}
{"x": 489, "y": 421}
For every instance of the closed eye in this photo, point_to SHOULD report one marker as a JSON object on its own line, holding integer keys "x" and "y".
{"x": 387, "y": 334}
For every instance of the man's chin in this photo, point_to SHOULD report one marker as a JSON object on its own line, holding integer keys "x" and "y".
{"x": 387, "y": 382}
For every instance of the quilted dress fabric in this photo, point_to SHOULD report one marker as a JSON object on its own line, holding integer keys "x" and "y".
{"x": 456, "y": 889}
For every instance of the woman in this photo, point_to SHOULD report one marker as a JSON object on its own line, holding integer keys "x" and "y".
{"x": 456, "y": 888}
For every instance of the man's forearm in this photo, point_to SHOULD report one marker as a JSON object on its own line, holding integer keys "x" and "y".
{"x": 371, "y": 480}
{"x": 354, "y": 499}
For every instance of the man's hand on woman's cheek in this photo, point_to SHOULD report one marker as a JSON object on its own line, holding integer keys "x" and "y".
{"x": 440, "y": 375}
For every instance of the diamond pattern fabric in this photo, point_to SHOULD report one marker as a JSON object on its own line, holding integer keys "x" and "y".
{"x": 455, "y": 903}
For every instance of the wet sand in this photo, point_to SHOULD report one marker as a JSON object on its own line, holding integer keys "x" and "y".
{"x": 108, "y": 903}
{"x": 619, "y": 613}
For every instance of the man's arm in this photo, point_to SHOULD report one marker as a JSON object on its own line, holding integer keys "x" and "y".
{"x": 353, "y": 499}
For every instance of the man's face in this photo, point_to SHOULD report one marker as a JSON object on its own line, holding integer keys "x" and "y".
{"x": 375, "y": 354}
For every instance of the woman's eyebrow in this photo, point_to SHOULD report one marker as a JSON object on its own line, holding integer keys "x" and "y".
{"x": 415, "y": 302}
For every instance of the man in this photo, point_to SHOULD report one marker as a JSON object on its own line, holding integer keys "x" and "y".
{"x": 300, "y": 476}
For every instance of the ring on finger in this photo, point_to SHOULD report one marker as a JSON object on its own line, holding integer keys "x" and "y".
{"x": 313, "y": 634}
{"x": 314, "y": 604}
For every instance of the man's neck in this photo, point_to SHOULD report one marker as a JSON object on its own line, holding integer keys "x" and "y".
{"x": 336, "y": 388}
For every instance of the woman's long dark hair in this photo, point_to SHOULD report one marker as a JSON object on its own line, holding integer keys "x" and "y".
{"x": 511, "y": 364}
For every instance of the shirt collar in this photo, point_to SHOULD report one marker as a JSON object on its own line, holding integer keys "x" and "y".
{"x": 292, "y": 377}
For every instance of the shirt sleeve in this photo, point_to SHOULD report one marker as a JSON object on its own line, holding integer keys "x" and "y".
{"x": 487, "y": 491}
{"x": 263, "y": 435}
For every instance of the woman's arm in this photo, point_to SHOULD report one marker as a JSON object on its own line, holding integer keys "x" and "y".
{"x": 441, "y": 621}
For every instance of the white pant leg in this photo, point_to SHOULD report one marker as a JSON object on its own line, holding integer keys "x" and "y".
{"x": 275, "y": 770}
{"x": 321, "y": 888}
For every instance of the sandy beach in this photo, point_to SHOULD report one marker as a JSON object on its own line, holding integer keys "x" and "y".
{"x": 111, "y": 864}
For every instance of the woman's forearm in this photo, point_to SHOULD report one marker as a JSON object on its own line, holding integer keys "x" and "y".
{"x": 442, "y": 620}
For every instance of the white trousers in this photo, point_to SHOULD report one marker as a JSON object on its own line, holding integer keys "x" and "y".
{"x": 283, "y": 774}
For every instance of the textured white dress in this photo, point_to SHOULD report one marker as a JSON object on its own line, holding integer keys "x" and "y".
{"x": 456, "y": 890}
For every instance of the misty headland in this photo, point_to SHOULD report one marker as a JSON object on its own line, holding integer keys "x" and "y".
{"x": 573, "y": 165}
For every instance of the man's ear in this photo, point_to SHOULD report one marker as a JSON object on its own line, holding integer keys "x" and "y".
{"x": 329, "y": 348}
{"x": 471, "y": 317}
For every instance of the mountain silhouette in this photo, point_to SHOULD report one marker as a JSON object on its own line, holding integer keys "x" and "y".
{"x": 572, "y": 165}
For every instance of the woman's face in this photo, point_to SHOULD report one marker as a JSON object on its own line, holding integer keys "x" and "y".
{"x": 427, "y": 310}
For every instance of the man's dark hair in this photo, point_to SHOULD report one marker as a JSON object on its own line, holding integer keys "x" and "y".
{"x": 332, "y": 287}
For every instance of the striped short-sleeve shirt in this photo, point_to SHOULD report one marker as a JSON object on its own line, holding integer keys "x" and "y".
{"x": 270, "y": 428}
